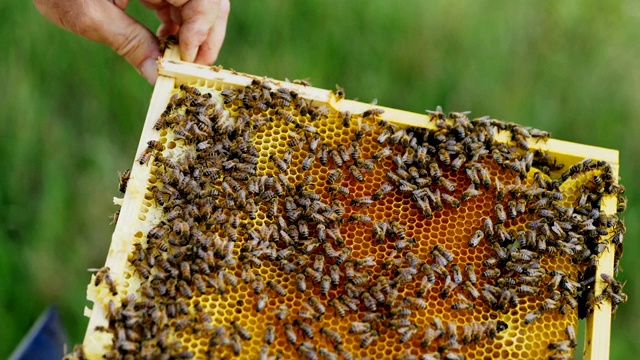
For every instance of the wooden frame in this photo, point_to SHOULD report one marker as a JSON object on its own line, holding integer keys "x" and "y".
{"x": 173, "y": 72}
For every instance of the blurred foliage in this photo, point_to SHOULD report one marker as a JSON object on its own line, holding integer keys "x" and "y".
{"x": 72, "y": 111}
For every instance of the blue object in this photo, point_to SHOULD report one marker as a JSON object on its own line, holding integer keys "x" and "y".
{"x": 45, "y": 340}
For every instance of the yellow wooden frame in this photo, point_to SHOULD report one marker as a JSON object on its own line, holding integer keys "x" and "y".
{"x": 173, "y": 72}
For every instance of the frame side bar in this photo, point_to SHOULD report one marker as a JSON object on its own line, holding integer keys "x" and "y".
{"x": 598, "y": 330}
{"x": 125, "y": 229}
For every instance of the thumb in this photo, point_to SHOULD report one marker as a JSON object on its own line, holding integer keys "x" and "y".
{"x": 110, "y": 25}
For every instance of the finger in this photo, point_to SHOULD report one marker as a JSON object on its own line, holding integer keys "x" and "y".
{"x": 167, "y": 25}
{"x": 122, "y": 4}
{"x": 165, "y": 30}
{"x": 153, "y": 4}
{"x": 211, "y": 48}
{"x": 63, "y": 13}
{"x": 177, "y": 3}
{"x": 175, "y": 15}
{"x": 164, "y": 14}
{"x": 104, "y": 22}
{"x": 113, "y": 27}
{"x": 198, "y": 17}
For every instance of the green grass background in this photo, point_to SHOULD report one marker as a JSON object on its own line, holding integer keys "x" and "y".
{"x": 71, "y": 111}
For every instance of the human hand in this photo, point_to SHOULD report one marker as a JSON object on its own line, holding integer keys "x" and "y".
{"x": 199, "y": 24}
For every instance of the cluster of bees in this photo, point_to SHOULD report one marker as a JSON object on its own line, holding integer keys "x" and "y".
{"x": 230, "y": 209}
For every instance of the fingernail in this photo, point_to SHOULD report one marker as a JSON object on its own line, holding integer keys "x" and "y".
{"x": 149, "y": 70}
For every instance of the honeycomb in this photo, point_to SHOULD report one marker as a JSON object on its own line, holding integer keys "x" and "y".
{"x": 272, "y": 248}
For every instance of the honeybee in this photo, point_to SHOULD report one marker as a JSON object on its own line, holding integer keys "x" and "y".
{"x": 571, "y": 334}
{"x": 306, "y": 329}
{"x": 512, "y": 207}
{"x": 417, "y": 303}
{"x": 282, "y": 312}
{"x": 338, "y": 306}
{"x": 361, "y": 218}
{"x": 500, "y": 213}
{"x": 264, "y": 352}
{"x": 123, "y": 180}
{"x": 367, "y": 338}
{"x": 335, "y": 156}
{"x": 333, "y": 175}
{"x": 307, "y": 246}
{"x": 611, "y": 282}
{"x": 532, "y": 316}
{"x": 331, "y": 335}
{"x": 101, "y": 274}
{"x": 378, "y": 230}
{"x": 443, "y": 156}
{"x": 146, "y": 155}
{"x": 500, "y": 192}
{"x": 278, "y": 162}
{"x": 261, "y": 303}
{"x": 369, "y": 301}
{"x": 622, "y": 203}
{"x": 452, "y": 201}
{"x": 372, "y": 112}
{"x": 270, "y": 333}
{"x": 485, "y": 178}
{"x": 491, "y": 273}
{"x": 440, "y": 270}
{"x": 429, "y": 336}
{"x": 303, "y": 229}
{"x": 454, "y": 356}
{"x": 476, "y": 238}
{"x": 406, "y": 333}
{"x": 286, "y": 116}
{"x": 404, "y": 243}
{"x": 404, "y": 137}
{"x": 257, "y": 284}
{"x": 399, "y": 323}
{"x": 469, "y": 193}
{"x": 355, "y": 172}
{"x": 296, "y": 140}
{"x": 444, "y": 252}
{"x": 457, "y": 274}
{"x": 290, "y": 334}
{"x": 308, "y": 161}
{"x": 358, "y": 327}
{"x": 424, "y": 207}
{"x": 143, "y": 270}
{"x": 323, "y": 154}
{"x": 448, "y": 288}
{"x": 349, "y": 270}
{"x": 395, "y": 229}
{"x": 104, "y": 275}
{"x": 381, "y": 154}
{"x": 334, "y": 189}
{"x": 425, "y": 284}
{"x": 199, "y": 283}
{"x": 155, "y": 145}
{"x": 325, "y": 285}
{"x": 351, "y": 301}
{"x": 435, "y": 171}
{"x": 361, "y": 201}
{"x": 450, "y": 344}
{"x": 241, "y": 331}
{"x": 316, "y": 305}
